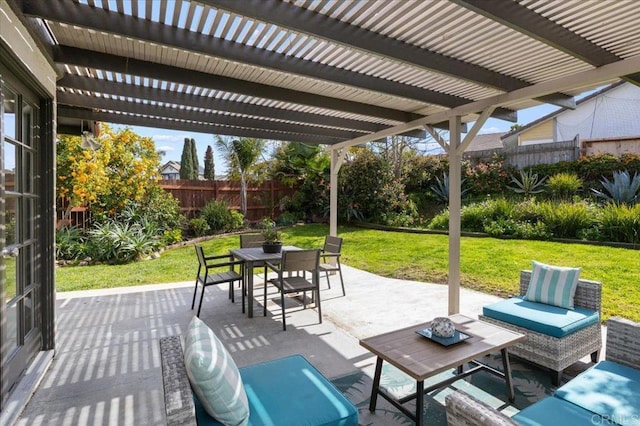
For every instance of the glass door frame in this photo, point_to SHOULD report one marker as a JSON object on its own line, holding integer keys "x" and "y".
{"x": 35, "y": 240}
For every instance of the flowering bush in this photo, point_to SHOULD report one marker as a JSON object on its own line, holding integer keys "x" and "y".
{"x": 488, "y": 178}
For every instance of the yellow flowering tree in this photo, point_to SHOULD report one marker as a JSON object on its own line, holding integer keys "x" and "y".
{"x": 123, "y": 169}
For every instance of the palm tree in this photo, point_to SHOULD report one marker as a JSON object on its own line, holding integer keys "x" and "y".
{"x": 240, "y": 154}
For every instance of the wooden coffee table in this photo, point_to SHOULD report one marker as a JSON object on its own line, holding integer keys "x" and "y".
{"x": 421, "y": 358}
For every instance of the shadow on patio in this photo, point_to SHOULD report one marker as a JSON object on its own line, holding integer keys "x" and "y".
{"x": 107, "y": 364}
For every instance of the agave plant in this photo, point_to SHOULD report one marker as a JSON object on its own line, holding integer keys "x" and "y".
{"x": 529, "y": 183}
{"x": 623, "y": 189}
{"x": 441, "y": 189}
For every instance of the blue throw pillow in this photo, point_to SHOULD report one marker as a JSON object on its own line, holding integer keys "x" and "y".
{"x": 214, "y": 376}
{"x": 553, "y": 285}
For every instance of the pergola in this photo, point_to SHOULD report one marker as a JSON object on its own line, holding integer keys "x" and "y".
{"x": 331, "y": 72}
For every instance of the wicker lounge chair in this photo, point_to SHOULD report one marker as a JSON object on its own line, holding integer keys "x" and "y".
{"x": 553, "y": 352}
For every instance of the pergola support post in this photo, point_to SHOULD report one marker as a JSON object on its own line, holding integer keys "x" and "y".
{"x": 337, "y": 158}
{"x": 456, "y": 150}
{"x": 455, "y": 183}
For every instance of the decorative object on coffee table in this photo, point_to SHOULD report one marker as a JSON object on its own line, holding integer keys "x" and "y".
{"x": 442, "y": 327}
{"x": 272, "y": 242}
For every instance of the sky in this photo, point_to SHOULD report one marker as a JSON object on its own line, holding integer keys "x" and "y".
{"x": 172, "y": 141}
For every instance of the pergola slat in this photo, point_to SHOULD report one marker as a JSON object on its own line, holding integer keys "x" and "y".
{"x": 318, "y": 25}
{"x": 524, "y": 20}
{"x": 129, "y": 26}
{"x": 93, "y": 59}
{"x": 163, "y": 123}
{"x": 204, "y": 116}
{"x": 200, "y": 101}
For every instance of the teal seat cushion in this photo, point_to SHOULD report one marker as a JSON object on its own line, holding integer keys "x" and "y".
{"x": 290, "y": 391}
{"x": 542, "y": 318}
{"x": 555, "y": 411}
{"x": 608, "y": 389}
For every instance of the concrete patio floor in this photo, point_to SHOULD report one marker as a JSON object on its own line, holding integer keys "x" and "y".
{"x": 106, "y": 368}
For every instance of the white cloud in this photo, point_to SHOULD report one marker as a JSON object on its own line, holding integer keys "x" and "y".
{"x": 165, "y": 148}
{"x": 486, "y": 130}
{"x": 169, "y": 138}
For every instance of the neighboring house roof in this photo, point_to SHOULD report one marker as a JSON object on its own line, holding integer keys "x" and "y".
{"x": 486, "y": 141}
{"x": 511, "y": 136}
{"x": 170, "y": 167}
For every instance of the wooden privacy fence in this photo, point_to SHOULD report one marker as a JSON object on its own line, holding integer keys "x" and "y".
{"x": 193, "y": 195}
{"x": 530, "y": 155}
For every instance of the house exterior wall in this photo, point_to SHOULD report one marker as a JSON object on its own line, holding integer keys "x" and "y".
{"x": 16, "y": 37}
{"x": 613, "y": 114}
{"x": 542, "y": 133}
{"x": 614, "y": 146}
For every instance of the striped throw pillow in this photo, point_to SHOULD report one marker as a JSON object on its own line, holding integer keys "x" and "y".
{"x": 214, "y": 376}
{"x": 553, "y": 285}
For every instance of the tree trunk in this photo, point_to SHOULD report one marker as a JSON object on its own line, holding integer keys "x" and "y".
{"x": 243, "y": 194}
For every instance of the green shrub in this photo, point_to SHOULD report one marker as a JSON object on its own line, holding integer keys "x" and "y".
{"x": 171, "y": 237}
{"x": 369, "y": 189}
{"x": 473, "y": 217}
{"x": 500, "y": 227}
{"x": 70, "y": 244}
{"x": 288, "y": 218}
{"x": 163, "y": 209}
{"x": 563, "y": 186}
{"x": 420, "y": 171}
{"x": 555, "y": 168}
{"x": 401, "y": 220}
{"x": 199, "y": 227}
{"x": 567, "y": 220}
{"x": 593, "y": 167}
{"x": 440, "y": 221}
{"x": 114, "y": 242}
{"x": 236, "y": 221}
{"x": 220, "y": 218}
{"x": 532, "y": 231}
{"x": 620, "y": 223}
{"x": 529, "y": 210}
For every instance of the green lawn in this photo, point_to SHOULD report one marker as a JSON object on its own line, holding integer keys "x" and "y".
{"x": 487, "y": 264}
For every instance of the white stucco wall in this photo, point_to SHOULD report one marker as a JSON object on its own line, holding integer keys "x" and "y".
{"x": 14, "y": 35}
{"x": 614, "y": 114}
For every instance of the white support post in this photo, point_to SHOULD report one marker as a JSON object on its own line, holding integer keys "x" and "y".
{"x": 455, "y": 180}
{"x": 337, "y": 157}
{"x": 456, "y": 150}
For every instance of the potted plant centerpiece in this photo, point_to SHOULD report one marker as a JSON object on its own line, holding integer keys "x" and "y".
{"x": 272, "y": 242}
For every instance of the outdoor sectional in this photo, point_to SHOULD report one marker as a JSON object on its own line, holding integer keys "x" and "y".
{"x": 285, "y": 391}
{"x": 606, "y": 394}
{"x": 556, "y": 337}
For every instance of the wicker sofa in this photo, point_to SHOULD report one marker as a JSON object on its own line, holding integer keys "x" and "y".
{"x": 285, "y": 391}
{"x": 605, "y": 394}
{"x": 574, "y": 338}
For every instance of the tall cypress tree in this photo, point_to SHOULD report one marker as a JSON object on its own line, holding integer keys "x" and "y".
{"x": 209, "y": 168}
{"x": 194, "y": 160}
{"x": 186, "y": 161}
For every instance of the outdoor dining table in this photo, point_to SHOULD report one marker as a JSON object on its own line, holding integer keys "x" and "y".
{"x": 255, "y": 257}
